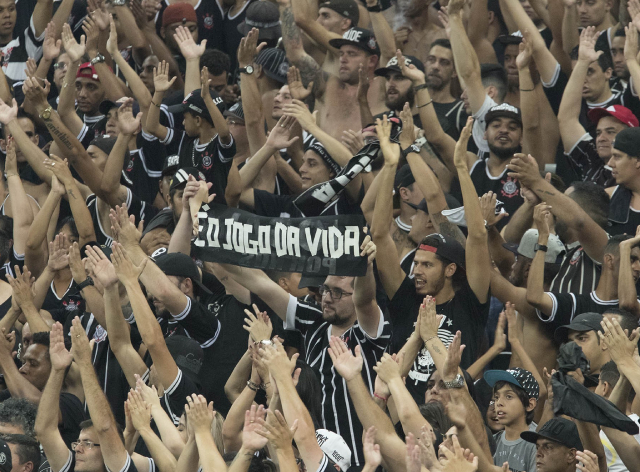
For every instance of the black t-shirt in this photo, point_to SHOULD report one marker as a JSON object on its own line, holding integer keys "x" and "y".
{"x": 70, "y": 466}
{"x": 69, "y": 305}
{"x": 144, "y": 169}
{"x": 175, "y": 396}
{"x": 8, "y": 268}
{"x": 281, "y": 206}
{"x": 586, "y": 162}
{"x": 452, "y": 117}
{"x": 93, "y": 127}
{"x": 463, "y": 312}
{"x": 566, "y": 306}
{"x": 231, "y": 35}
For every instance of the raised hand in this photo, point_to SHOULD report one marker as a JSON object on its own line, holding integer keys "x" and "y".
{"x": 388, "y": 367}
{"x": 252, "y": 440}
{"x": 205, "y": 83}
{"x": 112, "y": 42}
{"x": 460, "y": 153}
{"x": 126, "y": 270}
{"x": 92, "y": 32}
{"x": 199, "y": 414}
{"x": 188, "y": 47}
{"x": 275, "y": 357}
{"x": 8, "y": 112}
{"x": 408, "y": 134}
{"x": 429, "y": 319}
{"x": 500, "y": 337}
{"x": 58, "y": 253}
{"x": 454, "y": 356}
{"x": 401, "y": 36}
{"x": 258, "y": 325}
{"x": 587, "y": 461}
{"x": 352, "y": 140}
{"x": 59, "y": 356}
{"x": 76, "y": 265}
{"x": 300, "y": 112}
{"x": 277, "y": 430}
{"x": 443, "y": 16}
{"x": 80, "y": 346}
{"x": 127, "y": 123}
{"x": 409, "y": 71}
{"x": 99, "y": 14}
{"x": 139, "y": 411}
{"x": 587, "y": 48}
{"x": 161, "y": 77}
{"x": 279, "y": 135}
{"x": 633, "y": 6}
{"x": 124, "y": 226}
{"x": 149, "y": 393}
{"x": 74, "y": 50}
{"x": 542, "y": 218}
{"x": 390, "y": 151}
{"x": 455, "y": 461}
{"x": 21, "y": 286}
{"x": 515, "y": 324}
{"x": 102, "y": 267}
{"x": 372, "y": 455}
{"x": 488, "y": 208}
{"x": 11, "y": 162}
{"x": 51, "y": 46}
{"x": 620, "y": 346}
{"x": 60, "y": 168}
{"x": 413, "y": 454}
{"x": 525, "y": 169}
{"x": 248, "y": 48}
{"x": 345, "y": 363}
{"x": 525, "y": 52}
{"x": 455, "y": 7}
{"x": 368, "y": 249}
{"x": 363, "y": 84}
{"x": 296, "y": 88}
{"x": 34, "y": 92}
{"x": 631, "y": 42}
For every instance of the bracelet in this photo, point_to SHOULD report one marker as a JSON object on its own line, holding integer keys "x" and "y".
{"x": 527, "y": 90}
{"x": 428, "y": 103}
{"x": 380, "y": 397}
{"x": 252, "y": 385}
{"x": 12, "y": 175}
{"x": 430, "y": 338}
{"x": 420, "y": 87}
{"x": 154, "y": 103}
{"x": 264, "y": 386}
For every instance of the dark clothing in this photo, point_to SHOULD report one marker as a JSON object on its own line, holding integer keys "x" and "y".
{"x": 578, "y": 272}
{"x": 622, "y": 218}
{"x": 566, "y": 306}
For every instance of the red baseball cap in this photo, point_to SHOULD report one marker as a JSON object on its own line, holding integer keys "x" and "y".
{"x": 87, "y": 71}
{"x": 179, "y": 13}
{"x": 620, "y": 113}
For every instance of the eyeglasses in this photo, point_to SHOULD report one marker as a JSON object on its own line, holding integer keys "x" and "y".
{"x": 334, "y": 293}
{"x": 60, "y": 65}
{"x": 88, "y": 445}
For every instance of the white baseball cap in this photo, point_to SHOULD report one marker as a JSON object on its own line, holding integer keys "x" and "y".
{"x": 334, "y": 447}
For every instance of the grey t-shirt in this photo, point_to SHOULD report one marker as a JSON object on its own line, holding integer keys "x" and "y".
{"x": 520, "y": 454}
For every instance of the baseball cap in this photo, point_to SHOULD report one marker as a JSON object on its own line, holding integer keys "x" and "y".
{"x": 335, "y": 447}
{"x": 422, "y": 206}
{"x": 186, "y": 352}
{"x": 360, "y": 38}
{"x": 104, "y": 142}
{"x": 274, "y": 63}
{"x": 179, "y": 13}
{"x": 307, "y": 281}
{"x": 235, "y": 111}
{"x": 404, "y": 178}
{"x": 516, "y": 376}
{"x": 560, "y": 430}
{"x": 107, "y": 105}
{"x": 449, "y": 249}
{"x": 628, "y": 141}
{"x": 584, "y": 322}
{"x": 504, "y": 110}
{"x": 181, "y": 265}
{"x": 347, "y": 8}
{"x": 5, "y": 457}
{"x": 392, "y": 65}
{"x": 194, "y": 103}
{"x": 526, "y": 248}
{"x": 262, "y": 15}
{"x": 620, "y": 113}
{"x": 182, "y": 175}
{"x": 513, "y": 38}
{"x": 170, "y": 165}
{"x": 87, "y": 71}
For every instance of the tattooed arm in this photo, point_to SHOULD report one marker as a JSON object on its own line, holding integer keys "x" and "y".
{"x": 310, "y": 71}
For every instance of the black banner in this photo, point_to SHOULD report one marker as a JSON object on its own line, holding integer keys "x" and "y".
{"x": 323, "y": 245}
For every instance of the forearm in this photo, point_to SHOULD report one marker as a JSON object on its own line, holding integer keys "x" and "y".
{"x": 590, "y": 437}
{"x": 570, "y": 34}
{"x": 626, "y": 446}
{"x": 219, "y": 121}
{"x": 188, "y": 461}
{"x": 335, "y": 148}
{"x": 442, "y": 142}
{"x": 410, "y": 350}
{"x": 139, "y": 90}
{"x": 242, "y": 460}
{"x": 135, "y": 36}
{"x": 366, "y": 117}
{"x": 210, "y": 457}
{"x": 408, "y": 411}
{"x": 192, "y": 76}
{"x": 168, "y": 432}
{"x": 383, "y": 209}
{"x": 147, "y": 324}
{"x": 21, "y": 209}
{"x": 110, "y": 183}
{"x": 233, "y": 423}
{"x": 41, "y": 286}
{"x": 49, "y": 406}
{"x": 631, "y": 371}
{"x": 30, "y": 150}
{"x": 620, "y": 393}
{"x": 114, "y": 89}
{"x": 518, "y": 351}
{"x": 384, "y": 35}
{"x": 572, "y": 95}
{"x": 467, "y": 64}
{"x": 81, "y": 214}
{"x": 165, "y": 460}
{"x": 473, "y": 214}
{"x": 364, "y": 290}
{"x": 36, "y": 323}
{"x": 519, "y": 223}
{"x": 16, "y": 383}
{"x": 254, "y": 117}
{"x": 468, "y": 440}
{"x": 181, "y": 237}
{"x": 41, "y": 16}
{"x": 237, "y": 381}
{"x": 535, "y": 281}
{"x": 288, "y": 174}
{"x": 130, "y": 439}
{"x": 67, "y": 97}
{"x": 9, "y": 319}
{"x": 502, "y": 257}
{"x": 475, "y": 422}
{"x": 152, "y": 123}
{"x": 254, "y": 165}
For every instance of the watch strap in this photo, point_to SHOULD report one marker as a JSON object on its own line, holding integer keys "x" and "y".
{"x": 87, "y": 282}
{"x": 375, "y": 9}
{"x": 540, "y": 247}
{"x": 243, "y": 70}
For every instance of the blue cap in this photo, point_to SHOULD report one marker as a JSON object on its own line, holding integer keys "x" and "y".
{"x": 516, "y": 376}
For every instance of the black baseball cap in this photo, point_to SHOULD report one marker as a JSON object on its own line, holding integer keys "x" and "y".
{"x": 105, "y": 143}
{"x": 107, "y": 105}
{"x": 404, "y": 178}
{"x": 392, "y": 65}
{"x": 307, "y": 281}
{"x": 264, "y": 16}
{"x": 274, "y": 63}
{"x": 235, "y": 111}
{"x": 560, "y": 430}
{"x": 628, "y": 141}
{"x": 194, "y": 103}
{"x": 513, "y": 38}
{"x": 182, "y": 175}
{"x": 181, "y": 265}
{"x": 452, "y": 202}
{"x": 5, "y": 457}
{"x": 585, "y": 322}
{"x": 347, "y": 8}
{"x": 186, "y": 352}
{"x": 449, "y": 249}
{"x": 516, "y": 376}
{"x": 171, "y": 164}
{"x": 504, "y": 110}
{"x": 360, "y": 38}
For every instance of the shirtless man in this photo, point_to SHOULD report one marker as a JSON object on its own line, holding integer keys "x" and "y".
{"x": 337, "y": 95}
{"x": 420, "y": 30}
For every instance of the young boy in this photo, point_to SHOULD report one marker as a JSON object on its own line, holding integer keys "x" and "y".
{"x": 515, "y": 396}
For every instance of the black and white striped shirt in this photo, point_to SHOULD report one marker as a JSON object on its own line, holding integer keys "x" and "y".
{"x": 578, "y": 272}
{"x": 16, "y": 52}
{"x": 338, "y": 412}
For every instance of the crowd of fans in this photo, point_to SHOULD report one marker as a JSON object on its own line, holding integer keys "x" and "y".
{"x": 496, "y": 326}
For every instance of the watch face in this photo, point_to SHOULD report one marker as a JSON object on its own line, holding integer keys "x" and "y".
{"x": 249, "y": 69}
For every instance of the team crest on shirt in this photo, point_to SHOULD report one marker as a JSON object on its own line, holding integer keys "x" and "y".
{"x": 71, "y": 305}
{"x": 7, "y": 55}
{"x": 208, "y": 21}
{"x": 206, "y": 161}
{"x": 576, "y": 256}
{"x": 100, "y": 334}
{"x": 130, "y": 166}
{"x": 509, "y": 188}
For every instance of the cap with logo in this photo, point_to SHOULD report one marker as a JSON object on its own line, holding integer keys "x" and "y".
{"x": 170, "y": 165}
{"x": 335, "y": 448}
{"x": 274, "y": 63}
{"x": 560, "y": 430}
{"x": 360, "y": 38}
{"x": 87, "y": 71}
{"x": 628, "y": 141}
{"x": 235, "y": 111}
{"x": 5, "y": 457}
{"x": 347, "y": 8}
{"x": 392, "y": 65}
{"x": 449, "y": 249}
{"x": 194, "y": 103}
{"x": 186, "y": 352}
{"x": 528, "y": 242}
{"x": 620, "y": 113}
{"x": 504, "y": 110}
{"x": 182, "y": 175}
{"x": 179, "y": 13}
{"x": 584, "y": 322}
{"x": 264, "y": 16}
{"x": 181, "y": 265}
{"x": 515, "y": 376}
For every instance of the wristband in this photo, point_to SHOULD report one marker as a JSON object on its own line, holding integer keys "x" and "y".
{"x": 527, "y": 90}
{"x": 381, "y": 397}
{"x": 252, "y": 385}
{"x": 374, "y": 9}
{"x": 428, "y": 103}
{"x": 420, "y": 87}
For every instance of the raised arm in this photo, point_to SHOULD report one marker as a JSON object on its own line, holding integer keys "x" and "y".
{"x": 113, "y": 452}
{"x": 536, "y": 295}
{"x": 191, "y": 52}
{"x": 477, "y": 258}
{"x": 219, "y": 121}
{"x": 41, "y": 16}
{"x": 20, "y": 206}
{"x": 21, "y": 286}
{"x": 200, "y": 416}
{"x": 305, "y": 14}
{"x": 570, "y": 29}
{"x": 364, "y": 293}
{"x": 161, "y": 83}
{"x": 388, "y": 262}
{"x": 66, "y": 104}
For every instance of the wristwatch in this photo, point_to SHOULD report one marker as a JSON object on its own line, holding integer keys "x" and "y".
{"x": 266, "y": 342}
{"x": 97, "y": 59}
{"x": 46, "y": 113}
{"x": 246, "y": 70}
{"x": 458, "y": 382}
{"x": 87, "y": 282}
{"x": 540, "y": 247}
{"x": 412, "y": 148}
{"x": 118, "y": 3}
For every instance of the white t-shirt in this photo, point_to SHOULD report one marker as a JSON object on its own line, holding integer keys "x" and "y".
{"x": 613, "y": 459}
